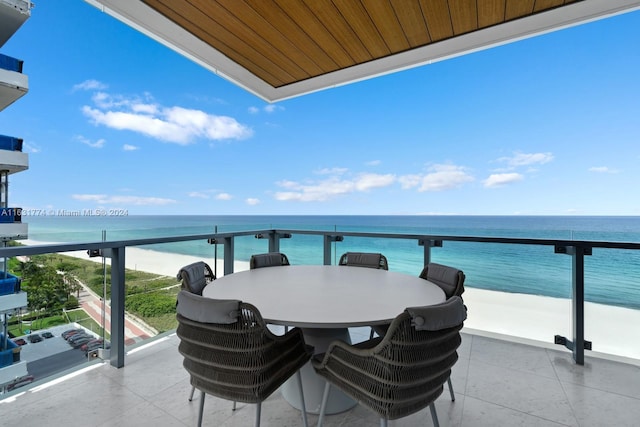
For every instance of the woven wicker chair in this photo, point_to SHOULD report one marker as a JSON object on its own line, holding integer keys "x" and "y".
{"x": 364, "y": 259}
{"x": 229, "y": 352}
{"x": 404, "y": 371}
{"x": 269, "y": 259}
{"x": 451, "y": 281}
{"x": 196, "y": 276}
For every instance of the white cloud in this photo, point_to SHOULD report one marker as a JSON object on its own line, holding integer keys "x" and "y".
{"x": 603, "y": 169}
{"x": 272, "y": 108}
{"x": 89, "y": 85}
{"x": 144, "y": 108}
{"x": 93, "y": 144}
{"x": 368, "y": 181}
{"x": 409, "y": 181}
{"x": 331, "y": 171}
{"x": 439, "y": 178}
{"x": 524, "y": 159}
{"x": 224, "y": 196}
{"x": 198, "y": 194}
{"x": 171, "y": 124}
{"x": 128, "y": 147}
{"x": 30, "y": 148}
{"x": 252, "y": 201}
{"x": 500, "y": 179}
{"x": 331, "y": 187}
{"x": 123, "y": 200}
{"x": 269, "y": 108}
{"x": 89, "y": 197}
{"x": 373, "y": 163}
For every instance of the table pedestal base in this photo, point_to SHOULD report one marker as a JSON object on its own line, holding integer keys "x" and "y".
{"x": 312, "y": 383}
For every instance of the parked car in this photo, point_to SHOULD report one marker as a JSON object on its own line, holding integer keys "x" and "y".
{"x": 20, "y": 341}
{"x": 95, "y": 344}
{"x": 34, "y": 338}
{"x": 47, "y": 334}
{"x": 72, "y": 339}
{"x": 20, "y": 382}
{"x": 81, "y": 341}
{"x": 66, "y": 334}
{"x": 90, "y": 343}
{"x": 92, "y": 350}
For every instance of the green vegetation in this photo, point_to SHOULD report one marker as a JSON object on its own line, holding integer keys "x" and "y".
{"x": 18, "y": 327}
{"x": 53, "y": 283}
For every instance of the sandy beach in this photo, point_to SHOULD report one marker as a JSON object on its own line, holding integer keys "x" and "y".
{"x": 612, "y": 330}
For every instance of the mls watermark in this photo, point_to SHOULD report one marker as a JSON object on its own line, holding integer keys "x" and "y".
{"x": 73, "y": 212}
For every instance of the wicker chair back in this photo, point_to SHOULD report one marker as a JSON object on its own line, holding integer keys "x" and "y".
{"x": 401, "y": 373}
{"x": 195, "y": 277}
{"x": 242, "y": 360}
{"x": 364, "y": 259}
{"x": 449, "y": 279}
{"x": 270, "y": 259}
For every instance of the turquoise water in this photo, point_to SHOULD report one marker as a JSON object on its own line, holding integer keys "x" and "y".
{"x": 611, "y": 276}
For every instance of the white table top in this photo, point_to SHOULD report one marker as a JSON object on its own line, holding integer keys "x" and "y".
{"x": 319, "y": 296}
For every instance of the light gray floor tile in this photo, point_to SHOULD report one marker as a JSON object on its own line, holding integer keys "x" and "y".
{"x": 478, "y": 413}
{"x": 512, "y": 356}
{"x": 599, "y": 408}
{"x": 525, "y": 392}
{"x": 600, "y": 374}
{"x": 491, "y": 390}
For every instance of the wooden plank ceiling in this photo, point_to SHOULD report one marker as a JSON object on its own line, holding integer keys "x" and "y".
{"x": 288, "y": 41}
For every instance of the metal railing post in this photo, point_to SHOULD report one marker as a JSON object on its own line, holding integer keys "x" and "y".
{"x": 428, "y": 244}
{"x": 228, "y": 255}
{"x": 327, "y": 240}
{"x": 579, "y": 344}
{"x": 117, "y": 306}
{"x": 274, "y": 242}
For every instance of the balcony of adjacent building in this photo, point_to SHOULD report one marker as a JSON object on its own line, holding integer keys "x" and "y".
{"x": 13, "y": 83}
{"x": 13, "y": 13}
{"x": 12, "y": 161}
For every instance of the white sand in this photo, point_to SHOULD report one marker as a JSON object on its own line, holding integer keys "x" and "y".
{"x": 167, "y": 264}
{"x": 613, "y": 330}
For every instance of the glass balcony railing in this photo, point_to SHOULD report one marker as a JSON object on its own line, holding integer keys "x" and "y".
{"x": 120, "y": 290}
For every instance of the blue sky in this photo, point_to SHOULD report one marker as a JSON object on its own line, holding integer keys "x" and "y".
{"x": 114, "y": 120}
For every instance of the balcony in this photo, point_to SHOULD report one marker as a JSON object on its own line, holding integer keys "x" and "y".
{"x": 499, "y": 379}
{"x": 497, "y": 383}
{"x": 13, "y": 84}
{"x": 12, "y": 159}
{"x": 13, "y": 13}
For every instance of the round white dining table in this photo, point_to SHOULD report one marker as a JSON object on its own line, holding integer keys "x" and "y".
{"x": 324, "y": 301}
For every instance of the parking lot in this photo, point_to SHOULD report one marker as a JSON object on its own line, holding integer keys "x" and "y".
{"x": 51, "y": 355}
{"x": 50, "y": 346}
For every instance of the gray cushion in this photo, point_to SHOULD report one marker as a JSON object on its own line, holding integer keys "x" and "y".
{"x": 193, "y": 277}
{"x": 270, "y": 259}
{"x": 207, "y": 310}
{"x": 443, "y": 276}
{"x": 448, "y": 314}
{"x": 363, "y": 259}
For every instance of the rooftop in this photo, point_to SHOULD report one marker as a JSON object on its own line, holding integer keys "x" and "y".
{"x": 497, "y": 383}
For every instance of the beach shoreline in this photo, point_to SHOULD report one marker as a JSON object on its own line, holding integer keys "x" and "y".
{"x": 532, "y": 317}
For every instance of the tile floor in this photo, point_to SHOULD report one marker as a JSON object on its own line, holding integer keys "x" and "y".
{"x": 497, "y": 383}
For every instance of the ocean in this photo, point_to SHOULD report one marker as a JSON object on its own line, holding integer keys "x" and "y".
{"x": 612, "y": 276}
